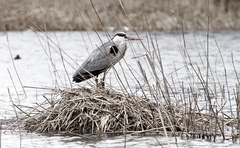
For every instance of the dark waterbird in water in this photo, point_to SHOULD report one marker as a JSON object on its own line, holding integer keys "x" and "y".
{"x": 103, "y": 58}
{"x": 17, "y": 57}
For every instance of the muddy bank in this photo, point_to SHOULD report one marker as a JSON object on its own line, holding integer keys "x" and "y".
{"x": 117, "y": 15}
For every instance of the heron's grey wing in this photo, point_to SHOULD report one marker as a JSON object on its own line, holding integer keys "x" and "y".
{"x": 99, "y": 59}
{"x": 97, "y": 62}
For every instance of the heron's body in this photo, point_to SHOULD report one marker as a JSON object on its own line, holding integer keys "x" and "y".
{"x": 103, "y": 58}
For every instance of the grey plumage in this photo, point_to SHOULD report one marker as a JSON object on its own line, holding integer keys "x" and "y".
{"x": 103, "y": 58}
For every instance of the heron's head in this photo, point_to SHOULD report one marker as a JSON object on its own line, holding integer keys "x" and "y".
{"x": 121, "y": 37}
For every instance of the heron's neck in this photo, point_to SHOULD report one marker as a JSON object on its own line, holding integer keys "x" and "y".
{"x": 118, "y": 41}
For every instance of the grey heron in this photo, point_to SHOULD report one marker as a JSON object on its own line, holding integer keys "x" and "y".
{"x": 103, "y": 58}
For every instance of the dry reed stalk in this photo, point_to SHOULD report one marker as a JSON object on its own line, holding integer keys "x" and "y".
{"x": 0, "y": 133}
{"x": 17, "y": 116}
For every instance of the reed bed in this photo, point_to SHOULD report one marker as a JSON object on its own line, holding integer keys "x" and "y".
{"x": 83, "y": 111}
{"x": 145, "y": 15}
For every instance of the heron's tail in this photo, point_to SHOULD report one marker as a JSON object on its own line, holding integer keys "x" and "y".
{"x": 79, "y": 77}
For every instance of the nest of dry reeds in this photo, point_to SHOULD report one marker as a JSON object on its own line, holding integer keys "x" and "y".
{"x": 96, "y": 111}
{"x": 84, "y": 111}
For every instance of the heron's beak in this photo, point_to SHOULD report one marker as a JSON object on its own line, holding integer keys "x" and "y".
{"x": 131, "y": 38}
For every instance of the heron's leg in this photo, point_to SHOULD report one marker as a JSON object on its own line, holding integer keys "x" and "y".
{"x": 96, "y": 80}
{"x": 103, "y": 80}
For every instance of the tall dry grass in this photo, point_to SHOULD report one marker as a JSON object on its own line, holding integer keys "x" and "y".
{"x": 80, "y": 14}
{"x": 83, "y": 111}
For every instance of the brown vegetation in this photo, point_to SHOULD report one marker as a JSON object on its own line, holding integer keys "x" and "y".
{"x": 81, "y": 111}
{"x": 117, "y": 14}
